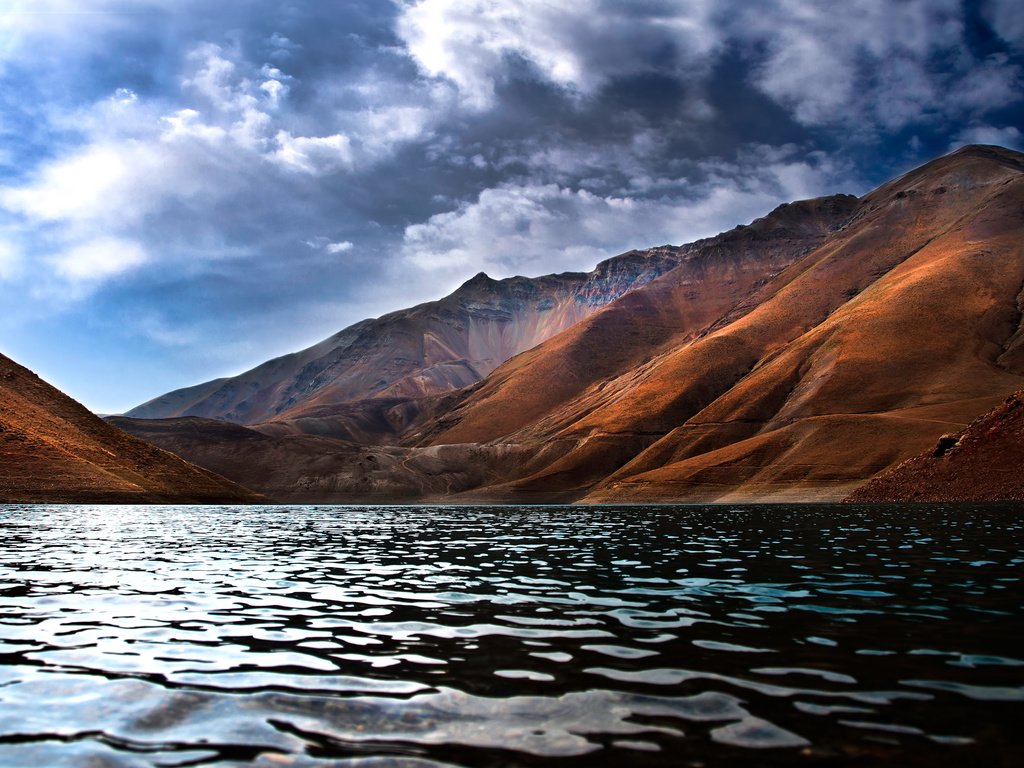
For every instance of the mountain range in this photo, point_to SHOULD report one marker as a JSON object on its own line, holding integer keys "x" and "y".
{"x": 791, "y": 359}
{"x": 404, "y": 356}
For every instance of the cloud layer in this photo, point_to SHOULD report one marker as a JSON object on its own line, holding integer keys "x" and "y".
{"x": 245, "y": 178}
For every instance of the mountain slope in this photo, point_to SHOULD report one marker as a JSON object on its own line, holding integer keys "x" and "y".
{"x": 899, "y": 326}
{"x": 984, "y": 462}
{"x": 310, "y": 469}
{"x": 431, "y": 348}
{"x": 54, "y": 450}
{"x": 715, "y": 278}
{"x": 568, "y": 376}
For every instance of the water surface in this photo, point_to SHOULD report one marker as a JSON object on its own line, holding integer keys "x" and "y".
{"x": 476, "y": 636}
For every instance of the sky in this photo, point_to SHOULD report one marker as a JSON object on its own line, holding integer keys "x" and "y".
{"x": 188, "y": 188}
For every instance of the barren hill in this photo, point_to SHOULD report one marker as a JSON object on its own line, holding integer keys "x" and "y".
{"x": 54, "y": 450}
{"x": 897, "y": 327}
{"x": 984, "y": 462}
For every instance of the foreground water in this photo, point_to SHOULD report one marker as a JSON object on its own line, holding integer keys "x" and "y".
{"x": 373, "y": 636}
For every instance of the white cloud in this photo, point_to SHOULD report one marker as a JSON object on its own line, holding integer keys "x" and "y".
{"x": 1006, "y": 20}
{"x": 341, "y": 247}
{"x": 275, "y": 91}
{"x": 138, "y": 160}
{"x": 98, "y": 260}
{"x": 862, "y": 59}
{"x": 217, "y": 80}
{"x": 537, "y": 228}
{"x": 382, "y": 129}
{"x": 986, "y": 134}
{"x": 188, "y": 123}
{"x": 576, "y": 45}
{"x": 76, "y": 187}
{"x": 865, "y": 65}
{"x": 315, "y": 155}
{"x": 869, "y": 65}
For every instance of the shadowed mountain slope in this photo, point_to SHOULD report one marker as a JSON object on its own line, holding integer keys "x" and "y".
{"x": 984, "y": 462}
{"x": 311, "y": 469}
{"x": 431, "y": 348}
{"x": 54, "y": 450}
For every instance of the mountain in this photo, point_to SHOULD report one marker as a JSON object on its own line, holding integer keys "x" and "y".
{"x": 982, "y": 463}
{"x": 286, "y": 466}
{"x": 54, "y": 450}
{"x": 431, "y": 348}
{"x": 900, "y": 325}
{"x": 791, "y": 359}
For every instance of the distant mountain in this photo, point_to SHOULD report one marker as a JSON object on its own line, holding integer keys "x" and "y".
{"x": 982, "y": 463}
{"x": 54, "y": 450}
{"x": 791, "y": 359}
{"x": 431, "y": 348}
{"x": 317, "y": 470}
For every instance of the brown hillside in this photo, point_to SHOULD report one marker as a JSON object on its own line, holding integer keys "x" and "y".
{"x": 897, "y": 327}
{"x": 54, "y": 450}
{"x": 985, "y": 462}
{"x": 308, "y": 469}
{"x": 792, "y": 359}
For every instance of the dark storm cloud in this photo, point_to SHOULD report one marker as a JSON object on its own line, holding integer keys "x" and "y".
{"x": 208, "y": 184}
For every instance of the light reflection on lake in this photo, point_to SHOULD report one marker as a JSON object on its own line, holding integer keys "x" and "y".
{"x": 416, "y": 636}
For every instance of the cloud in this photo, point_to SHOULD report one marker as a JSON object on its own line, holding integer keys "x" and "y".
{"x": 313, "y": 154}
{"x": 539, "y": 228}
{"x": 10, "y": 261}
{"x": 1007, "y": 136}
{"x": 77, "y": 187}
{"x": 577, "y": 46}
{"x": 98, "y": 260}
{"x": 341, "y": 247}
{"x": 1006, "y": 20}
{"x": 870, "y": 65}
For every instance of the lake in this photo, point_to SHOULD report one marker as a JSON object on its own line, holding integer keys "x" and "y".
{"x": 534, "y": 636}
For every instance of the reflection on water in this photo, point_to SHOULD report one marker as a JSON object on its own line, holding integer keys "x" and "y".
{"x": 374, "y": 636}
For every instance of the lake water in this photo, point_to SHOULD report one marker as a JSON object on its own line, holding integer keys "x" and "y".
{"x": 534, "y": 636}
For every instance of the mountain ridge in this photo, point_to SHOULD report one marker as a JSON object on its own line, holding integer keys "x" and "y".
{"x": 427, "y": 349}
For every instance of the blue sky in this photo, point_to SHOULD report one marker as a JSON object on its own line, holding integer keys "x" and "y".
{"x": 188, "y": 188}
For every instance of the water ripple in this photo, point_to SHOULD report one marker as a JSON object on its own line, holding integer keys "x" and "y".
{"x": 434, "y": 636}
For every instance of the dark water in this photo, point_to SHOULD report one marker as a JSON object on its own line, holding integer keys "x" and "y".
{"x": 334, "y": 636}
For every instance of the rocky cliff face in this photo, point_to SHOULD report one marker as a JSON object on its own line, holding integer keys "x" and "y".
{"x": 54, "y": 450}
{"x": 432, "y": 348}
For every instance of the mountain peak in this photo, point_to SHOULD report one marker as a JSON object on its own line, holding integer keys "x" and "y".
{"x": 963, "y": 169}
{"x": 480, "y": 279}
{"x": 991, "y": 151}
